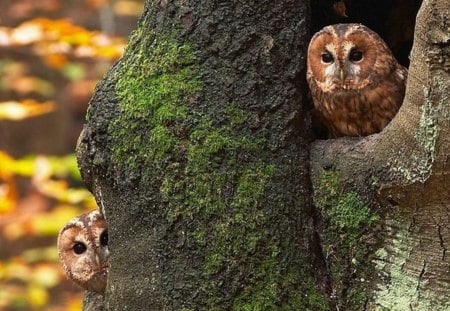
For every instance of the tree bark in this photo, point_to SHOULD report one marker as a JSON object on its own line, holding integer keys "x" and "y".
{"x": 384, "y": 199}
{"x": 196, "y": 148}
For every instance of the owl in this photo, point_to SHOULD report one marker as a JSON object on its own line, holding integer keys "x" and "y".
{"x": 356, "y": 83}
{"x": 83, "y": 251}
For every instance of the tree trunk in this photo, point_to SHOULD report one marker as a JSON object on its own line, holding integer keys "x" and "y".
{"x": 384, "y": 199}
{"x": 197, "y": 150}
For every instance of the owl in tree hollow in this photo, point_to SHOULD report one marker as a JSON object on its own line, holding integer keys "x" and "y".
{"x": 83, "y": 251}
{"x": 356, "y": 83}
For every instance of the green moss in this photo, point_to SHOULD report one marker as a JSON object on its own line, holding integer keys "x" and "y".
{"x": 210, "y": 174}
{"x": 346, "y": 212}
{"x": 251, "y": 186}
{"x": 346, "y": 218}
{"x": 236, "y": 115}
{"x": 153, "y": 88}
{"x": 356, "y": 296}
{"x": 316, "y": 301}
{"x": 351, "y": 215}
{"x": 269, "y": 290}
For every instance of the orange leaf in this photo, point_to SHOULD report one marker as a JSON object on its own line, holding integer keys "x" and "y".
{"x": 55, "y": 60}
{"x": 97, "y": 3}
{"x": 8, "y": 198}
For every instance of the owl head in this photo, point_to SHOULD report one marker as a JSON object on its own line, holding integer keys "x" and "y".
{"x": 83, "y": 251}
{"x": 348, "y": 57}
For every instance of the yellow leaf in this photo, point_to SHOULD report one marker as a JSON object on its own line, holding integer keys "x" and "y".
{"x": 46, "y": 275}
{"x": 24, "y": 166}
{"x": 6, "y": 161}
{"x": 37, "y": 296}
{"x": 40, "y": 167}
{"x": 25, "y": 109}
{"x": 16, "y": 269}
{"x": 77, "y": 38}
{"x": 60, "y": 191}
{"x": 2, "y": 271}
{"x": 75, "y": 304}
{"x": 65, "y": 166}
{"x": 8, "y": 198}
{"x": 50, "y": 223}
{"x": 109, "y": 52}
{"x": 40, "y": 254}
{"x": 127, "y": 7}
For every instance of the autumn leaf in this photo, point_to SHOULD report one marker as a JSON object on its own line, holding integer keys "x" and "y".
{"x": 55, "y": 60}
{"x": 46, "y": 59}
{"x": 14, "y": 110}
{"x": 128, "y": 7}
{"x": 36, "y": 295}
{"x": 54, "y": 38}
{"x": 8, "y": 191}
{"x": 8, "y": 197}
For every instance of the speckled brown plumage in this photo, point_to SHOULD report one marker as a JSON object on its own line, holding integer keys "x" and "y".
{"x": 83, "y": 251}
{"x": 356, "y": 83}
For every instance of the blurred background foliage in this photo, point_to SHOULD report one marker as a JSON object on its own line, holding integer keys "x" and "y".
{"x": 52, "y": 53}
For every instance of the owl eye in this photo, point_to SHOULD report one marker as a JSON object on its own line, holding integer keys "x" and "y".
{"x": 355, "y": 56}
{"x": 327, "y": 58}
{"x": 79, "y": 248}
{"x": 104, "y": 238}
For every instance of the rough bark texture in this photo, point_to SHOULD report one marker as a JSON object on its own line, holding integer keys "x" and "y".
{"x": 384, "y": 199}
{"x": 196, "y": 150}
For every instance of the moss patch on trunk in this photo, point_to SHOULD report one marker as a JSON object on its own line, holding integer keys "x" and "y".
{"x": 345, "y": 220}
{"x": 213, "y": 176}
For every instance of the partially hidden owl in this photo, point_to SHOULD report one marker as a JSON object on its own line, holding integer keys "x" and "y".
{"x": 356, "y": 83}
{"x": 83, "y": 251}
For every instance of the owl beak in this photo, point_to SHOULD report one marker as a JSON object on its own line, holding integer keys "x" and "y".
{"x": 102, "y": 257}
{"x": 342, "y": 74}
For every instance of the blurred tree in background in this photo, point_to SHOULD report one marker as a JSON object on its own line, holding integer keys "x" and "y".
{"x": 52, "y": 53}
